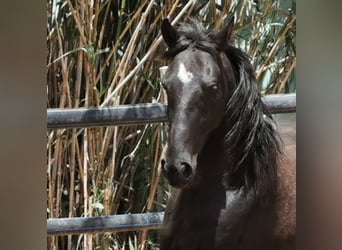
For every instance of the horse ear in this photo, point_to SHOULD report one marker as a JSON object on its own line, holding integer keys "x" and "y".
{"x": 169, "y": 33}
{"x": 224, "y": 36}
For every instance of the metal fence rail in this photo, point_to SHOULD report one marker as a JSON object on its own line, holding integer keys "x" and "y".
{"x": 126, "y": 115}
{"x": 115, "y": 223}
{"x": 140, "y": 114}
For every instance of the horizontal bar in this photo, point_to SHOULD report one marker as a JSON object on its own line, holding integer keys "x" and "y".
{"x": 94, "y": 117}
{"x": 280, "y": 103}
{"x": 140, "y": 113}
{"x": 114, "y": 223}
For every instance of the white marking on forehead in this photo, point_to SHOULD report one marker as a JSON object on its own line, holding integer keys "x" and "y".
{"x": 184, "y": 75}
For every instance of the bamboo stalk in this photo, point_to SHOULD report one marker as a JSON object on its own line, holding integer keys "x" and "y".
{"x": 155, "y": 180}
{"x": 72, "y": 182}
{"x": 78, "y": 21}
{"x": 122, "y": 65}
{"x": 275, "y": 46}
{"x": 173, "y": 9}
{"x": 117, "y": 42}
{"x": 144, "y": 59}
{"x": 85, "y": 182}
{"x": 288, "y": 70}
{"x": 85, "y": 163}
{"x": 222, "y": 15}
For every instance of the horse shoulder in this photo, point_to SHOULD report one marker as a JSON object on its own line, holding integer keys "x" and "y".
{"x": 286, "y": 195}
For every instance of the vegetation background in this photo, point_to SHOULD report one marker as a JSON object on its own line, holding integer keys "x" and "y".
{"x": 105, "y": 53}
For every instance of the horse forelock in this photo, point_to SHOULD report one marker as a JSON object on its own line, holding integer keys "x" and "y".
{"x": 192, "y": 35}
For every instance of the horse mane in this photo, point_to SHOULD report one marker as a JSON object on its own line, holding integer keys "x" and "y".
{"x": 252, "y": 145}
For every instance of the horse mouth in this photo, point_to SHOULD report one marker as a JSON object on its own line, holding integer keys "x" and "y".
{"x": 179, "y": 184}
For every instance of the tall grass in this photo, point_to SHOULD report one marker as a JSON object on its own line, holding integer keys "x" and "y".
{"x": 105, "y": 53}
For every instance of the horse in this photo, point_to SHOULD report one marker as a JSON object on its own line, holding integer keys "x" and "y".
{"x": 231, "y": 167}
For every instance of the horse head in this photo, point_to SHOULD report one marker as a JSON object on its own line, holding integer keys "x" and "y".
{"x": 196, "y": 86}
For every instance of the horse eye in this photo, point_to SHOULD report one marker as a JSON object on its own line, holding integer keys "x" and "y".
{"x": 213, "y": 87}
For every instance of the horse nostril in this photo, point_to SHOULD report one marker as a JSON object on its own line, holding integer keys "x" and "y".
{"x": 162, "y": 163}
{"x": 186, "y": 170}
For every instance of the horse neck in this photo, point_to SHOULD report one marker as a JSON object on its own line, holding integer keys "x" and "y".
{"x": 211, "y": 159}
{"x": 257, "y": 171}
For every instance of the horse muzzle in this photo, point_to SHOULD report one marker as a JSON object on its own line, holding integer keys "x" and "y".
{"x": 178, "y": 174}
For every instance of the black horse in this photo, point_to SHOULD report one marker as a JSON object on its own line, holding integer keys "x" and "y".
{"x": 233, "y": 176}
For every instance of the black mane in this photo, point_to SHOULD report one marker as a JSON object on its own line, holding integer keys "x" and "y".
{"x": 252, "y": 146}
